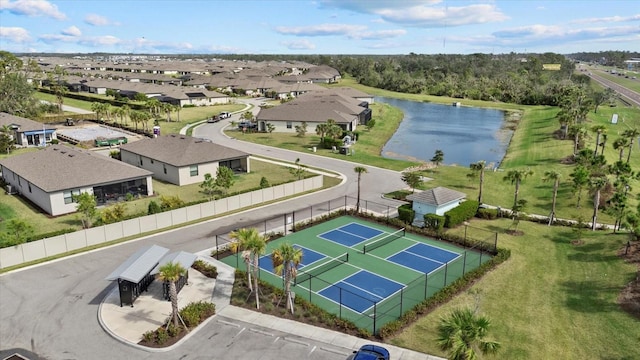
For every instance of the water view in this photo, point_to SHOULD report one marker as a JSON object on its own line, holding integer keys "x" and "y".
{"x": 464, "y": 134}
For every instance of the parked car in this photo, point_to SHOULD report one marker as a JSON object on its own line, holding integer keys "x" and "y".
{"x": 213, "y": 119}
{"x": 247, "y": 125}
{"x": 370, "y": 352}
{"x": 224, "y": 115}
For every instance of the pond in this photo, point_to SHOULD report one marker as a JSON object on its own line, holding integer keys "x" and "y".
{"x": 464, "y": 134}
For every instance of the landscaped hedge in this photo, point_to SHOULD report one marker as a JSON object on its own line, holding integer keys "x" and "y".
{"x": 442, "y": 296}
{"x": 434, "y": 222}
{"x": 406, "y": 213}
{"x": 489, "y": 214}
{"x": 461, "y": 213}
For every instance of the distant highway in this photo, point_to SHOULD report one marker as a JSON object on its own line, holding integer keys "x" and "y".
{"x": 630, "y": 95}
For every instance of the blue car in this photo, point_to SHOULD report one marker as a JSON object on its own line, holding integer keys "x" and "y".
{"x": 370, "y": 352}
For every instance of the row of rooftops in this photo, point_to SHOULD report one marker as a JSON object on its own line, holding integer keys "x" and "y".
{"x": 182, "y": 67}
{"x": 60, "y": 167}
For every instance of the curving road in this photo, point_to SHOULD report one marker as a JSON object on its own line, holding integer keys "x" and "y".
{"x": 51, "y": 309}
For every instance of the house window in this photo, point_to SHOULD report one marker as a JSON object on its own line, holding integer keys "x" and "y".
{"x": 68, "y": 196}
{"x": 164, "y": 168}
{"x": 29, "y": 187}
{"x": 141, "y": 161}
{"x": 193, "y": 170}
{"x": 151, "y": 161}
{"x": 289, "y": 124}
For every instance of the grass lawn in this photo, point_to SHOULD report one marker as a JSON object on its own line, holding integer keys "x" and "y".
{"x": 367, "y": 148}
{"x": 550, "y": 300}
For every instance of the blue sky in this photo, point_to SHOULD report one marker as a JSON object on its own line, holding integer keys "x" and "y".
{"x": 318, "y": 26}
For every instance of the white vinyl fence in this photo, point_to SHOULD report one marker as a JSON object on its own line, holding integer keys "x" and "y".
{"x": 39, "y": 249}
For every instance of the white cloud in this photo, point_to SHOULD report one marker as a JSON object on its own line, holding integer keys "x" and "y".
{"x": 609, "y": 19}
{"x": 106, "y": 40}
{"x": 377, "y": 35}
{"x": 423, "y": 16}
{"x": 32, "y": 8}
{"x": 299, "y": 45}
{"x": 14, "y": 34}
{"x": 96, "y": 20}
{"x": 320, "y": 30}
{"x": 71, "y": 31}
{"x": 372, "y": 7}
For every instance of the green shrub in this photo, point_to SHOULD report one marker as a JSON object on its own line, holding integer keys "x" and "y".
{"x": 461, "y": 213}
{"x": 149, "y": 336}
{"x": 489, "y": 214}
{"x": 194, "y": 313}
{"x": 406, "y": 213}
{"x": 161, "y": 336}
{"x": 434, "y": 222}
{"x": 153, "y": 208}
{"x": 264, "y": 183}
{"x": 205, "y": 268}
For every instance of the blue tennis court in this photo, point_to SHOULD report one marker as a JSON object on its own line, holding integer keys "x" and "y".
{"x": 423, "y": 258}
{"x": 350, "y": 234}
{"x": 432, "y": 252}
{"x": 361, "y": 290}
{"x": 308, "y": 257}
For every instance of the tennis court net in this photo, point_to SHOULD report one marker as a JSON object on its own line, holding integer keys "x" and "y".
{"x": 322, "y": 268}
{"x": 383, "y": 241}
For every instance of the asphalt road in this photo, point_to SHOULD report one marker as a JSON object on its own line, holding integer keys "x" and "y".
{"x": 51, "y": 309}
{"x": 630, "y": 95}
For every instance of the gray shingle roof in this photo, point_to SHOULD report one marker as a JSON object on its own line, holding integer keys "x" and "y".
{"x": 182, "y": 150}
{"x": 437, "y": 196}
{"x": 139, "y": 264}
{"x": 314, "y": 107}
{"x": 59, "y": 167}
{"x": 25, "y": 124}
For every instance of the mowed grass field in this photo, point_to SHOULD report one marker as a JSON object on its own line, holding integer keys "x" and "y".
{"x": 550, "y": 300}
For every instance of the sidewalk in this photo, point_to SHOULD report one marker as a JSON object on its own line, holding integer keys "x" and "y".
{"x": 150, "y": 310}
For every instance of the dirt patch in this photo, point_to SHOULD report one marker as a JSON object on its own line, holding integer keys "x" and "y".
{"x": 515, "y": 232}
{"x": 577, "y": 242}
{"x": 629, "y": 298}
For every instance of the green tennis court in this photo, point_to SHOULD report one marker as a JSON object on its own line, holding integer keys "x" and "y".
{"x": 367, "y": 272}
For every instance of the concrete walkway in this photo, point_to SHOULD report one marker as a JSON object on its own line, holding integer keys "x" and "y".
{"x": 150, "y": 311}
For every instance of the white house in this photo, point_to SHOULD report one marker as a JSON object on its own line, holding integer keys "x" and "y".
{"x": 182, "y": 159}
{"x": 435, "y": 201}
{"x": 26, "y": 132}
{"x": 51, "y": 176}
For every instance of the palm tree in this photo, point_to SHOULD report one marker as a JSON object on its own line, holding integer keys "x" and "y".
{"x": 630, "y": 134}
{"x": 171, "y": 272}
{"x": 596, "y": 184}
{"x": 516, "y": 177}
{"x": 252, "y": 245}
{"x": 359, "y": 170}
{"x": 580, "y": 178}
{"x": 286, "y": 259}
{"x": 153, "y": 105}
{"x": 463, "y": 333}
{"x": 599, "y": 130}
{"x": 555, "y": 176}
{"x": 321, "y": 130}
{"x": 620, "y": 144}
{"x": 477, "y": 168}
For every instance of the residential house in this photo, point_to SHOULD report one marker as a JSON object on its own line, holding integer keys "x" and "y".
{"x": 51, "y": 176}
{"x": 26, "y": 132}
{"x": 315, "y": 108}
{"x": 182, "y": 159}
{"x": 437, "y": 201}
